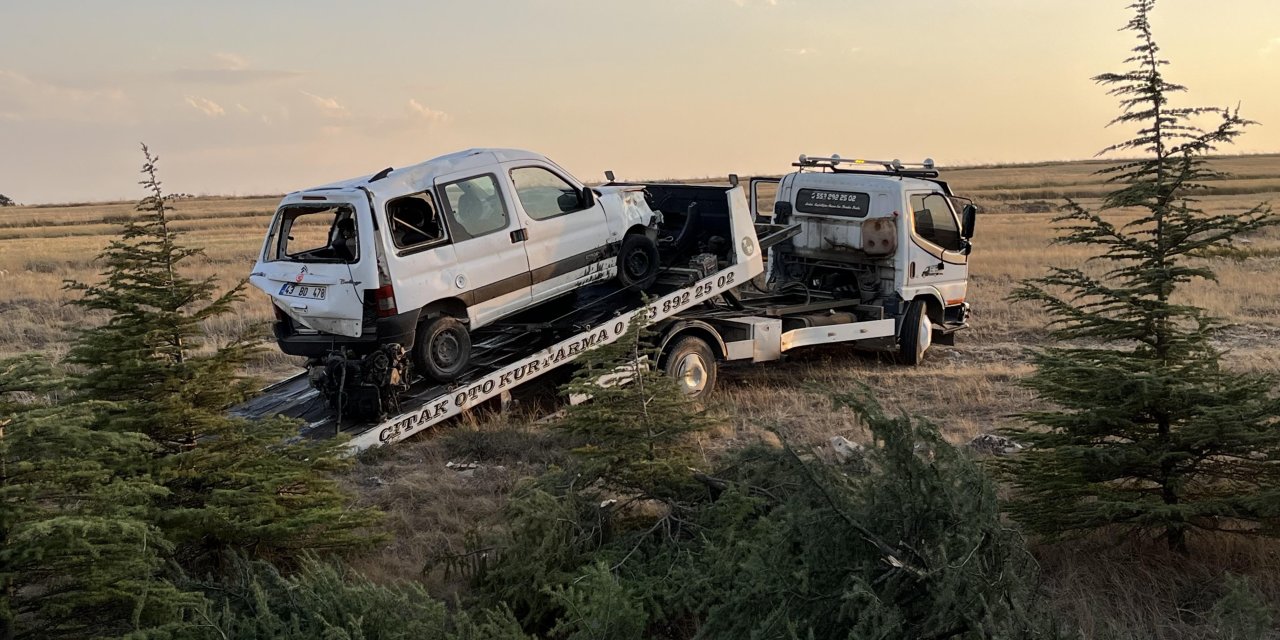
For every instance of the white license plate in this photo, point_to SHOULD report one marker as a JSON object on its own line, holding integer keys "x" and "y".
{"x": 308, "y": 291}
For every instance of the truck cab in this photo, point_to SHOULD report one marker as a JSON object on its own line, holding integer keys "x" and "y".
{"x": 892, "y": 236}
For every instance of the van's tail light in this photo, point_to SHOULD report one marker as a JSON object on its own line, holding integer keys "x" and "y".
{"x": 385, "y": 296}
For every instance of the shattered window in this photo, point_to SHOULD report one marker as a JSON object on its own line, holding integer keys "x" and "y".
{"x": 414, "y": 221}
{"x": 316, "y": 233}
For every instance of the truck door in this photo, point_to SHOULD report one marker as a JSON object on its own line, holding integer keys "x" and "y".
{"x": 935, "y": 254}
{"x": 764, "y": 192}
{"x": 566, "y": 242}
{"x": 492, "y": 271}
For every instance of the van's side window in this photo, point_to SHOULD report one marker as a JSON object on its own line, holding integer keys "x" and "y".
{"x": 475, "y": 205}
{"x": 544, "y": 194}
{"x": 934, "y": 221}
{"x": 414, "y": 221}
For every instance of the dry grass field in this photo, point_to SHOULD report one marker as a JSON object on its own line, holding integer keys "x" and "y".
{"x": 966, "y": 389}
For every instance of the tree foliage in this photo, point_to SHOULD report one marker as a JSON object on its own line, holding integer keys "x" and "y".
{"x": 79, "y": 555}
{"x": 6, "y": 201}
{"x": 778, "y": 545}
{"x": 232, "y": 484}
{"x": 638, "y": 424}
{"x": 1150, "y": 432}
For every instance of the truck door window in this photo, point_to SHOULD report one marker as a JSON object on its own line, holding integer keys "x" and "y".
{"x": 316, "y": 233}
{"x": 934, "y": 220}
{"x": 475, "y": 206}
{"x": 544, "y": 194}
{"x": 414, "y": 221}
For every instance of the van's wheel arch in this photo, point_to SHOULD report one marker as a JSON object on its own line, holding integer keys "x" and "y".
{"x": 638, "y": 261}
{"x": 917, "y": 333}
{"x": 442, "y": 347}
{"x": 691, "y": 362}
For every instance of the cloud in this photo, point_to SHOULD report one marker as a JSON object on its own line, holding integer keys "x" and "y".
{"x": 23, "y": 97}
{"x": 1272, "y": 46}
{"x": 427, "y": 113}
{"x": 206, "y": 106}
{"x": 743, "y": 3}
{"x": 802, "y": 51}
{"x": 230, "y": 76}
{"x": 231, "y": 61}
{"x": 329, "y": 106}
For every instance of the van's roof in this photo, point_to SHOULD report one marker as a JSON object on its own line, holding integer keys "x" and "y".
{"x": 420, "y": 176}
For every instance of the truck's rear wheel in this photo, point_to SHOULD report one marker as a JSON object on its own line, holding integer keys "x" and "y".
{"x": 917, "y": 333}
{"x": 442, "y": 348}
{"x": 638, "y": 262}
{"x": 692, "y": 363}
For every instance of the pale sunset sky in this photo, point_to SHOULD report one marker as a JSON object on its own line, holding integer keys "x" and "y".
{"x": 241, "y": 97}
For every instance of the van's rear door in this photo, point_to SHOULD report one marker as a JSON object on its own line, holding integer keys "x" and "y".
{"x": 319, "y": 258}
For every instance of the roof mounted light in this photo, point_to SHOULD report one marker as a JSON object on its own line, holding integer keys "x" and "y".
{"x": 834, "y": 160}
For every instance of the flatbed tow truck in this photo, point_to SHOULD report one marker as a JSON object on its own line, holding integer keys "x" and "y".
{"x": 711, "y": 304}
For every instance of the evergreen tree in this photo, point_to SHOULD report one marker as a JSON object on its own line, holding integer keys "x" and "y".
{"x": 78, "y": 556}
{"x": 1150, "y": 431}
{"x": 6, "y": 201}
{"x": 637, "y": 425}
{"x": 233, "y": 484}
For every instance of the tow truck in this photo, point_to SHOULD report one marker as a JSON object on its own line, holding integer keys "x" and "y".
{"x": 870, "y": 253}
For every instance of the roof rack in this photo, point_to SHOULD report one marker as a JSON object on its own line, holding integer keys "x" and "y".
{"x": 891, "y": 167}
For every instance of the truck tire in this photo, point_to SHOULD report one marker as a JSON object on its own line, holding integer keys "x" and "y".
{"x": 442, "y": 348}
{"x": 691, "y": 362}
{"x": 917, "y": 333}
{"x": 638, "y": 262}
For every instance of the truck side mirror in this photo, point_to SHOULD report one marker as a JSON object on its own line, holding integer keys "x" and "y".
{"x": 782, "y": 211}
{"x": 588, "y": 198}
{"x": 969, "y": 218}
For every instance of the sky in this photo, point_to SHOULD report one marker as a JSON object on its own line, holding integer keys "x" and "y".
{"x": 245, "y": 97}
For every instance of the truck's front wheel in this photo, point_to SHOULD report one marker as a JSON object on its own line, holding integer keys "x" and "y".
{"x": 690, "y": 361}
{"x": 917, "y": 333}
{"x": 442, "y": 348}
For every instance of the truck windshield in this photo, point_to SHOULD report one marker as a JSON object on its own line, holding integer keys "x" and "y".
{"x": 315, "y": 233}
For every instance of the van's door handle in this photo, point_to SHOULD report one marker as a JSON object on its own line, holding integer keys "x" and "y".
{"x": 519, "y": 235}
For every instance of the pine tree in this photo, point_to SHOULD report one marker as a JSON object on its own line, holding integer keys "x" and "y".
{"x": 637, "y": 425}
{"x": 1150, "y": 432}
{"x": 233, "y": 484}
{"x": 78, "y": 556}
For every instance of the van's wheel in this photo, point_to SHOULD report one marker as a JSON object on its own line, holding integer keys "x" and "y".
{"x": 442, "y": 348}
{"x": 917, "y": 333}
{"x": 638, "y": 262}
{"x": 692, "y": 364}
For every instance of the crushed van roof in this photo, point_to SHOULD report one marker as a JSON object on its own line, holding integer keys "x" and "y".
{"x": 416, "y": 177}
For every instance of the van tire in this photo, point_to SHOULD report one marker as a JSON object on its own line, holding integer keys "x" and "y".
{"x": 917, "y": 333}
{"x": 442, "y": 348}
{"x": 638, "y": 262}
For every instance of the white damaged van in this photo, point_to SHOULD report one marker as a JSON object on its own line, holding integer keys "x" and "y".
{"x": 416, "y": 257}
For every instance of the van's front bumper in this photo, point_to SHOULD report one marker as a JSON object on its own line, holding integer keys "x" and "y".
{"x": 311, "y": 344}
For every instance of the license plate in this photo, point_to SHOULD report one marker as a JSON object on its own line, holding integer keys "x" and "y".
{"x": 308, "y": 291}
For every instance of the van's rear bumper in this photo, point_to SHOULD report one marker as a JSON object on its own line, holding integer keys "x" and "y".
{"x": 398, "y": 328}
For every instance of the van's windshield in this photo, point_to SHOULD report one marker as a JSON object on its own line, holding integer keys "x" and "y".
{"x": 315, "y": 233}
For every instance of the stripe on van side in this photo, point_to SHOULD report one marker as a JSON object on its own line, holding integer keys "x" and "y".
{"x": 539, "y": 275}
